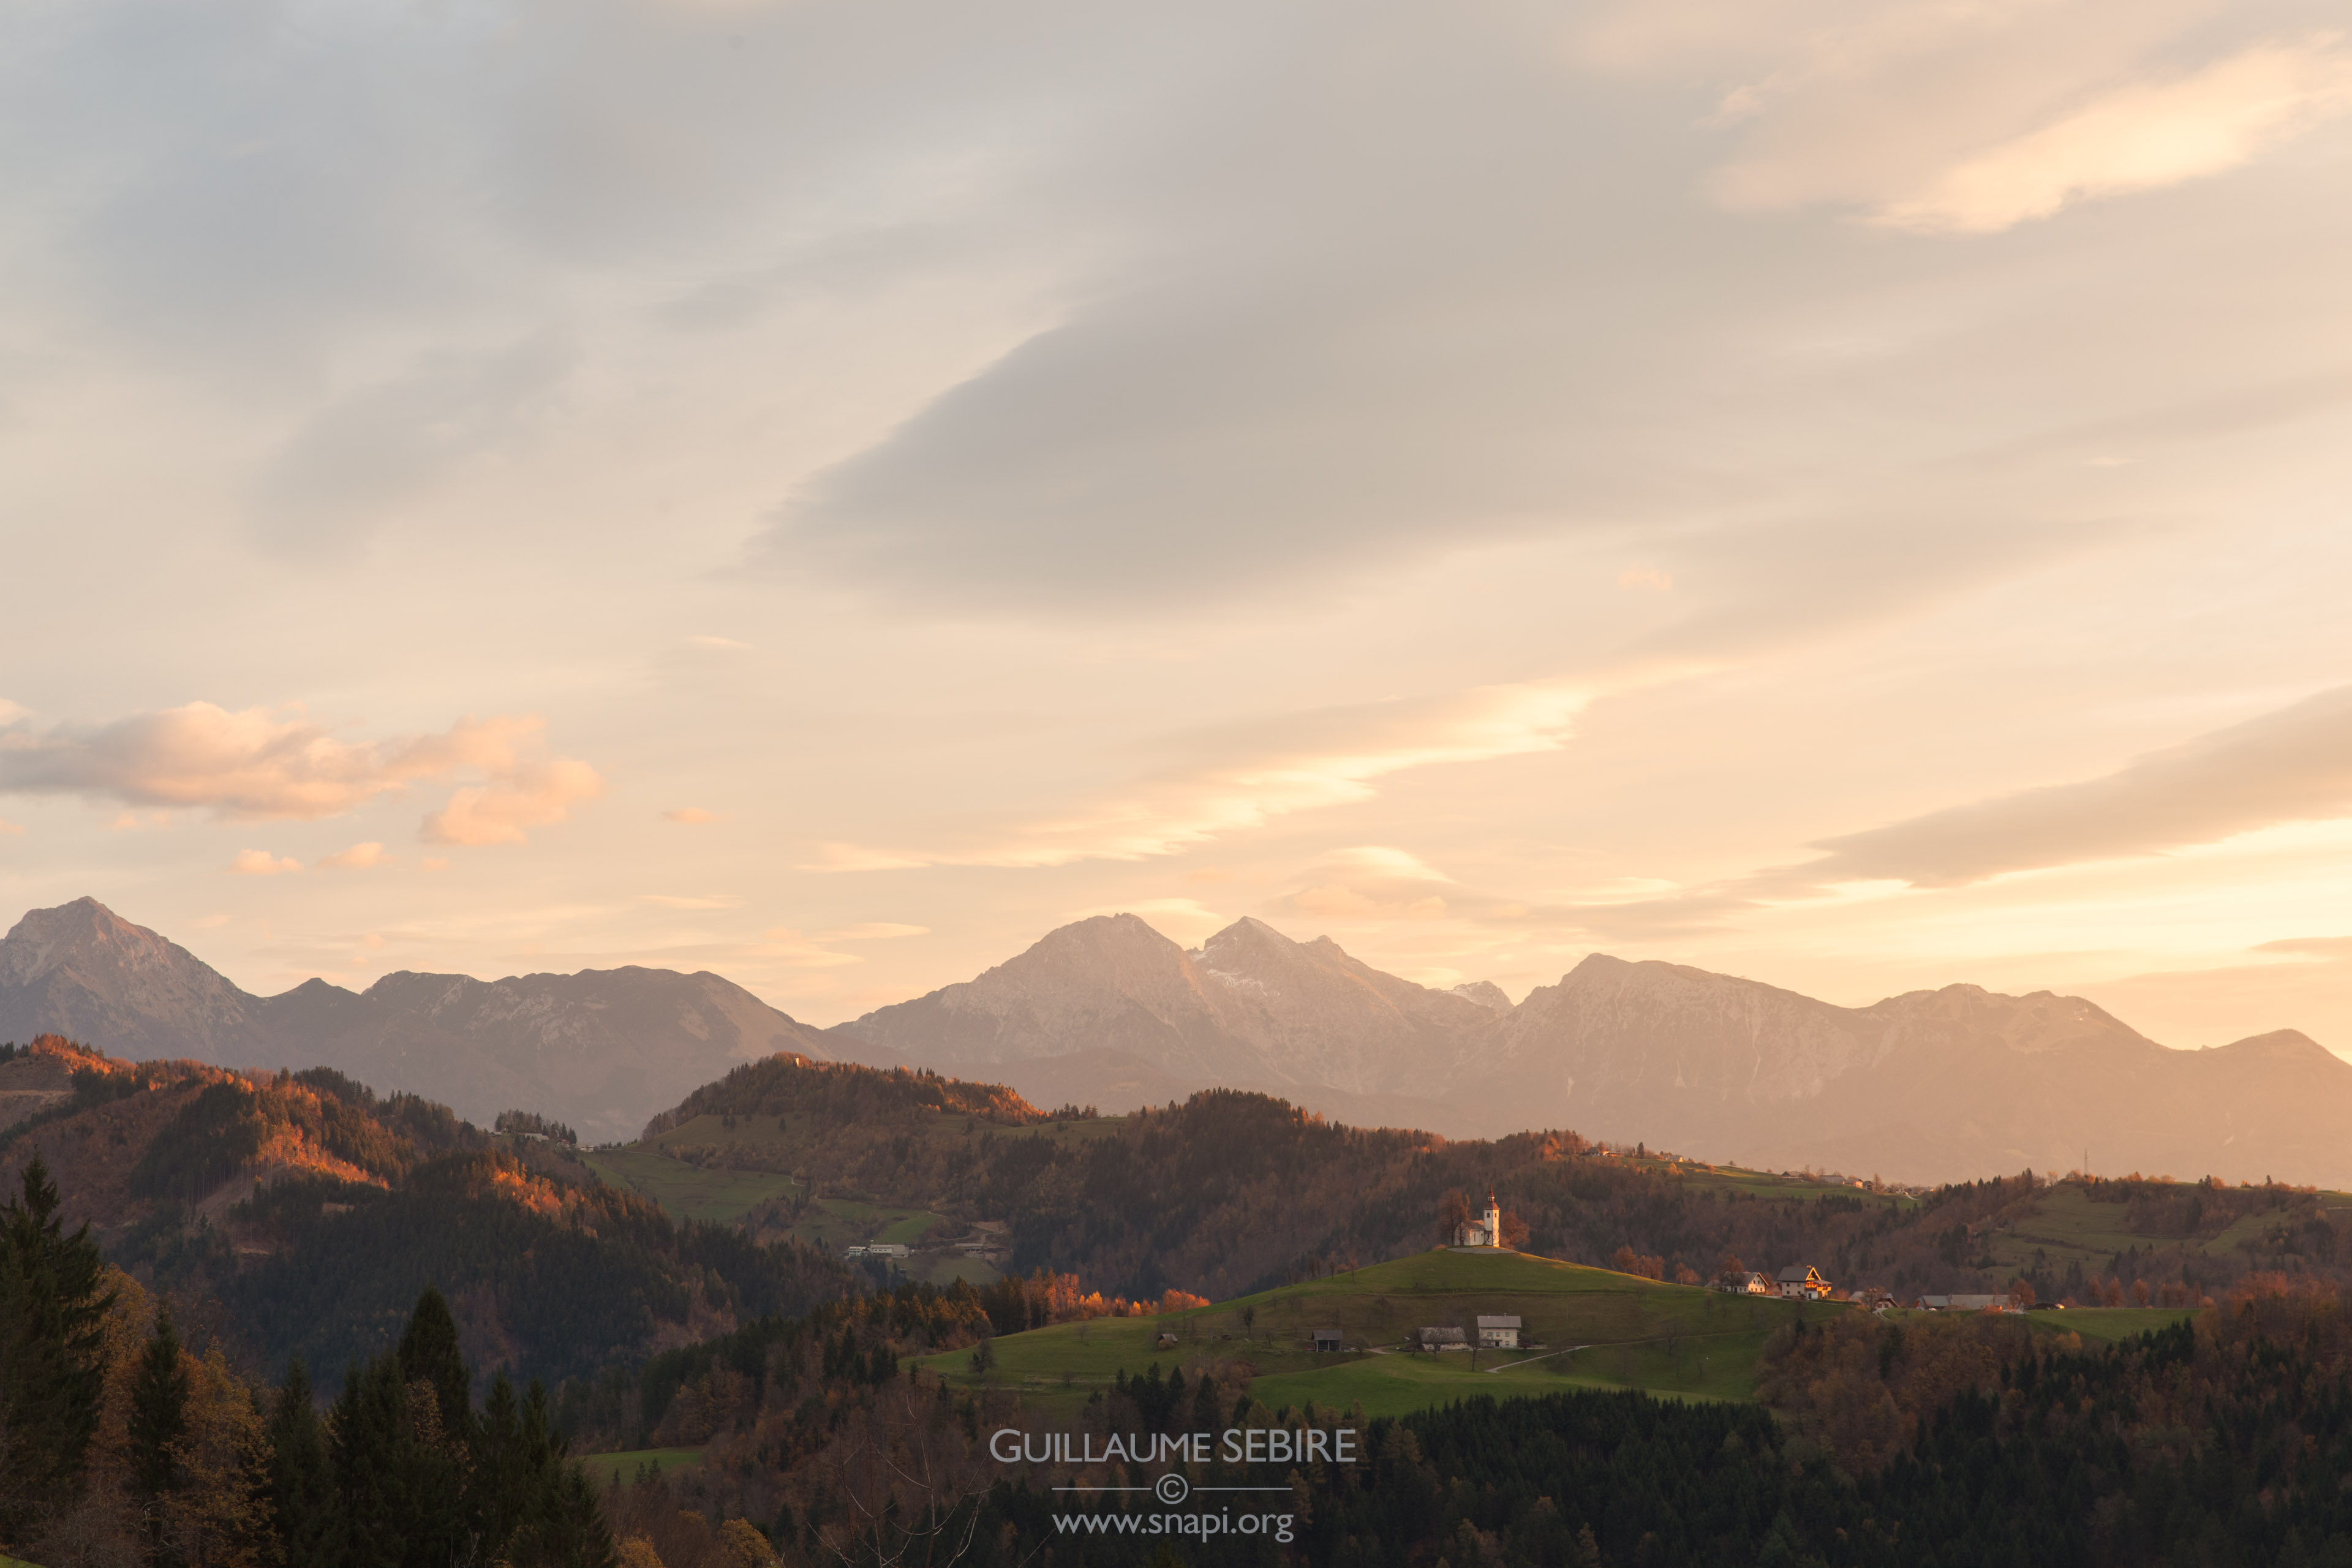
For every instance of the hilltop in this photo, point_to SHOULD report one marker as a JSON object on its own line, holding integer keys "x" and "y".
{"x": 302, "y": 1212}
{"x": 1590, "y": 1328}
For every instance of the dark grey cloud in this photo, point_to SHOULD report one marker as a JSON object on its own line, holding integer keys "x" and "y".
{"x": 2293, "y": 766}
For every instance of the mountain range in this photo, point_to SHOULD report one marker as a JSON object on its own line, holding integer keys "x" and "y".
{"x": 599, "y": 1050}
{"x": 1927, "y": 1086}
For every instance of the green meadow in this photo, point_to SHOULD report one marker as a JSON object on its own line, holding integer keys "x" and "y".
{"x": 684, "y": 1191}
{"x": 2109, "y": 1325}
{"x": 1594, "y": 1328}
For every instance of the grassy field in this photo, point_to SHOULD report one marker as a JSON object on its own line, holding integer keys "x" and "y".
{"x": 2110, "y": 1325}
{"x": 1633, "y": 1332}
{"x": 602, "y": 1467}
{"x": 2071, "y": 1228}
{"x": 684, "y": 1191}
{"x": 1766, "y": 1184}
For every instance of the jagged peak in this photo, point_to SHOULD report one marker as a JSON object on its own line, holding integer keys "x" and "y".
{"x": 1484, "y": 993}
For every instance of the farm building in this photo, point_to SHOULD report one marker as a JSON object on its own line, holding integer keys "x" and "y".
{"x": 1800, "y": 1282}
{"x": 1499, "y": 1333}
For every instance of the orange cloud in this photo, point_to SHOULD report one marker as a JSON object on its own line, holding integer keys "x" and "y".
{"x": 262, "y": 863}
{"x": 358, "y": 858}
{"x": 256, "y": 764}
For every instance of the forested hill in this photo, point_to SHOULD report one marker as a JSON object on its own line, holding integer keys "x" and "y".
{"x": 303, "y": 1214}
{"x": 1230, "y": 1192}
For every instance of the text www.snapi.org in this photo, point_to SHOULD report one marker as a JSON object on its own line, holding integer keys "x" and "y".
{"x": 1277, "y": 1525}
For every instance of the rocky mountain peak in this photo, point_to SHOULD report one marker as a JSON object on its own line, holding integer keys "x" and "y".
{"x": 83, "y": 933}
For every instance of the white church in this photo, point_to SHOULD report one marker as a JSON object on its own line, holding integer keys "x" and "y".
{"x": 1486, "y": 1232}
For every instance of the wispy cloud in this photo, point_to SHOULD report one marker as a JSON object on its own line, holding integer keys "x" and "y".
{"x": 358, "y": 858}
{"x": 690, "y": 816}
{"x": 2140, "y": 137}
{"x": 1273, "y": 768}
{"x": 2293, "y": 766}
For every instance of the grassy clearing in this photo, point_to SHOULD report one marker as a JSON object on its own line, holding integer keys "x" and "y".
{"x": 2109, "y": 1325}
{"x": 2071, "y": 1228}
{"x": 1636, "y": 1334}
{"x": 602, "y": 1467}
{"x": 688, "y": 1192}
{"x": 1767, "y": 1184}
{"x": 836, "y": 1223}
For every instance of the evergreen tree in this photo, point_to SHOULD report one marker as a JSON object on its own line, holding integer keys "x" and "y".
{"x": 159, "y": 1424}
{"x": 302, "y": 1484}
{"x": 53, "y": 1305}
{"x": 370, "y": 1466}
{"x": 429, "y": 1354}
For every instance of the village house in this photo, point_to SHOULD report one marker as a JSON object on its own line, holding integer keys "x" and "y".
{"x": 1443, "y": 1340}
{"x": 1801, "y": 1282}
{"x": 1751, "y": 1283}
{"x": 1967, "y": 1303}
{"x": 1874, "y": 1298}
{"x": 1499, "y": 1333}
{"x": 879, "y": 1249}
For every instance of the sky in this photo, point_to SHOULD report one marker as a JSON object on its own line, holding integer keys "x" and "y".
{"x": 1848, "y": 494}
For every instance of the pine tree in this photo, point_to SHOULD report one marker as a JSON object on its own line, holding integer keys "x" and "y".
{"x": 53, "y": 1305}
{"x": 159, "y": 1424}
{"x": 370, "y": 1466}
{"x": 302, "y": 1484}
{"x": 429, "y": 1354}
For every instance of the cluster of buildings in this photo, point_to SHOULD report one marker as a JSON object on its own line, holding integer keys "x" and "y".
{"x": 1499, "y": 1333}
{"x": 1800, "y": 1282}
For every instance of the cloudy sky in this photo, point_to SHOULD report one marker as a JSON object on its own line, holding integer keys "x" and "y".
{"x": 1851, "y": 494}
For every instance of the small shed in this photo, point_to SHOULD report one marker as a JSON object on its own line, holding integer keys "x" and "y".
{"x": 1326, "y": 1339}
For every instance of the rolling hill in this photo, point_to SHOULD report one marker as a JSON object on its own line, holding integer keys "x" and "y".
{"x": 302, "y": 1214}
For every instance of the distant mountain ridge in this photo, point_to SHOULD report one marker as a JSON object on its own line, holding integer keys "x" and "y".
{"x": 1927, "y": 1086}
{"x": 594, "y": 1049}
